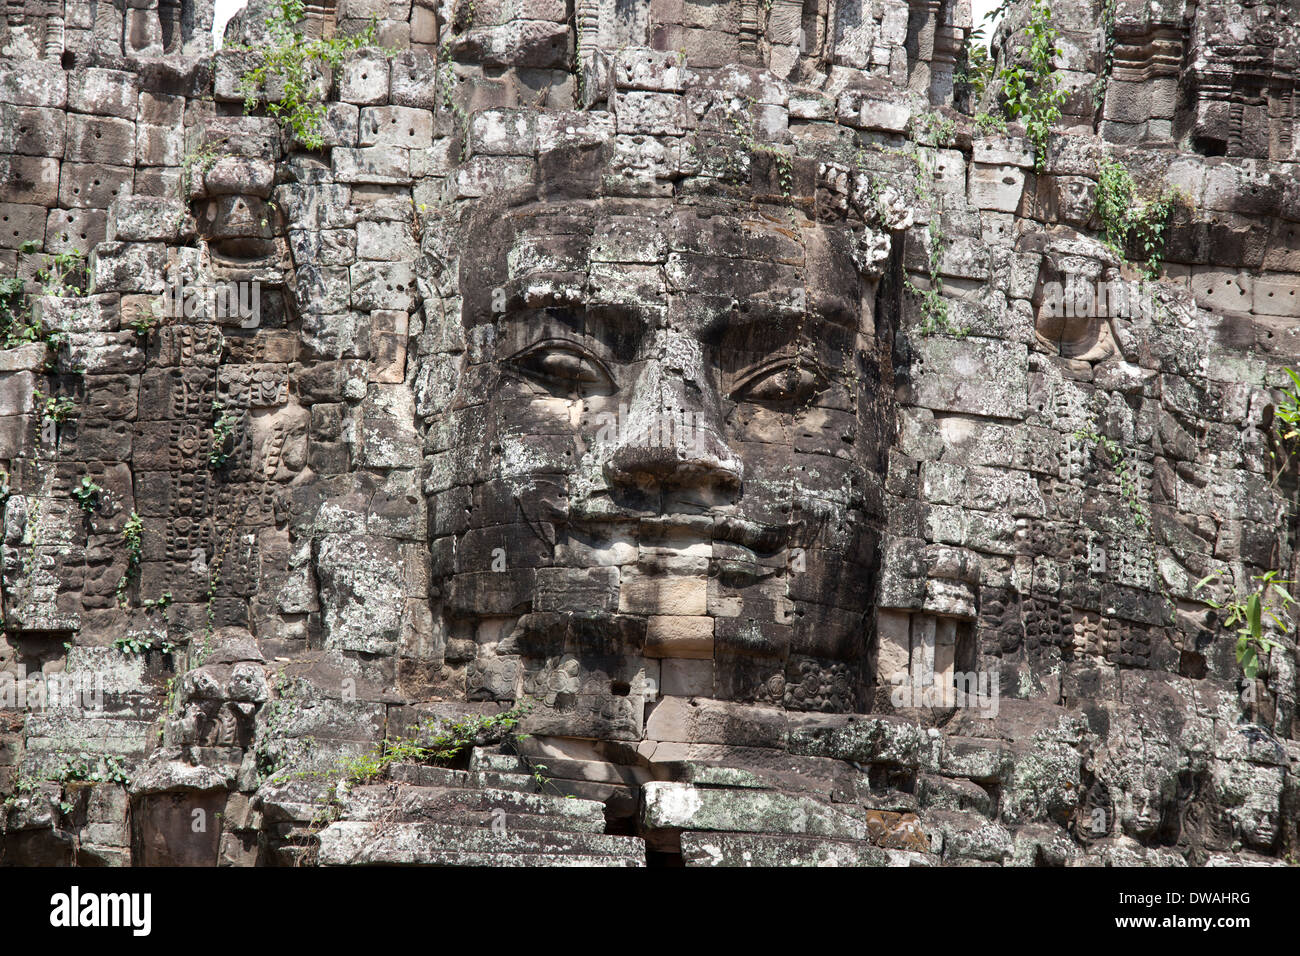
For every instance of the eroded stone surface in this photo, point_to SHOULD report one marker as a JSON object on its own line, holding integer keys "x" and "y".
{"x": 591, "y": 371}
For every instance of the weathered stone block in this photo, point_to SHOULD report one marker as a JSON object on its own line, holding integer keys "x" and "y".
{"x": 129, "y": 267}
{"x": 364, "y": 80}
{"x": 983, "y": 377}
{"x": 159, "y": 145}
{"x": 34, "y": 83}
{"x": 413, "y": 79}
{"x": 679, "y": 636}
{"x": 20, "y": 224}
{"x": 93, "y": 185}
{"x": 146, "y": 219}
{"x": 99, "y": 139}
{"x": 29, "y": 180}
{"x": 79, "y": 229}
{"x": 32, "y": 130}
{"x": 103, "y": 92}
{"x": 378, "y": 164}
{"x": 996, "y": 187}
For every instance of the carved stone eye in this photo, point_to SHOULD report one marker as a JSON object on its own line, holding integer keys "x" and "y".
{"x": 787, "y": 383}
{"x": 563, "y": 364}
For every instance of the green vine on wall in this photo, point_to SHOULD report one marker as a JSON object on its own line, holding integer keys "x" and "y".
{"x": 63, "y": 274}
{"x": 933, "y": 305}
{"x": 741, "y": 125}
{"x": 1129, "y": 221}
{"x": 292, "y": 63}
{"x": 133, "y": 541}
{"x": 461, "y": 21}
{"x": 1107, "y": 54}
{"x": 1128, "y": 486}
{"x": 223, "y": 429}
{"x": 1031, "y": 93}
{"x": 55, "y": 408}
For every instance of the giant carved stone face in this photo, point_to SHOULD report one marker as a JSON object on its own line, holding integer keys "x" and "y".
{"x": 659, "y": 474}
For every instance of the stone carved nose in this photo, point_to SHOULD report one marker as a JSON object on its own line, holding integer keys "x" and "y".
{"x": 669, "y": 432}
{"x": 675, "y": 464}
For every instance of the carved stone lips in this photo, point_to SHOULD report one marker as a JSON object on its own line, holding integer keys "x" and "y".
{"x": 761, "y": 538}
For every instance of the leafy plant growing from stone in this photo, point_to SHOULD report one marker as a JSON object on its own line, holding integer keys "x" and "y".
{"x": 1286, "y": 426}
{"x": 142, "y": 645}
{"x": 88, "y": 494}
{"x": 975, "y": 74}
{"x": 1270, "y": 601}
{"x": 160, "y": 603}
{"x": 988, "y": 123}
{"x": 64, "y": 274}
{"x": 82, "y": 767}
{"x": 106, "y": 769}
{"x": 1031, "y": 93}
{"x": 133, "y": 539}
{"x": 1129, "y": 221}
{"x": 291, "y": 62}
{"x": 143, "y": 323}
{"x": 23, "y": 784}
{"x": 17, "y": 326}
{"x": 56, "y": 408}
{"x": 932, "y": 129}
{"x": 436, "y": 742}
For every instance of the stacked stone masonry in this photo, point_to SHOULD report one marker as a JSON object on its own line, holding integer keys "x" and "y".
{"x": 588, "y": 367}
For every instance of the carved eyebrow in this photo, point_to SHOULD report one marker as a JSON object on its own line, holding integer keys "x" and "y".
{"x": 535, "y": 292}
{"x": 620, "y": 321}
{"x": 615, "y": 334}
{"x": 802, "y": 356}
{"x": 799, "y": 324}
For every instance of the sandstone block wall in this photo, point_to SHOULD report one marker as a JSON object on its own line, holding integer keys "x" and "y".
{"x": 382, "y": 492}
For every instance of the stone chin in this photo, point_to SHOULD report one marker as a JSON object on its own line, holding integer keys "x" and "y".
{"x": 1259, "y": 826}
{"x": 658, "y": 474}
{"x": 1140, "y": 815}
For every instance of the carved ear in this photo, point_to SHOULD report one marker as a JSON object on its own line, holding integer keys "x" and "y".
{"x": 573, "y": 170}
{"x": 881, "y": 204}
{"x": 870, "y": 251}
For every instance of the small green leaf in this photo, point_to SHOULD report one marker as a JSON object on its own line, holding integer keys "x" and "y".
{"x": 1249, "y": 663}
